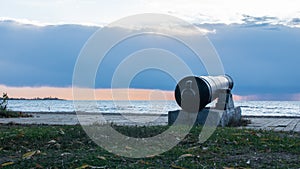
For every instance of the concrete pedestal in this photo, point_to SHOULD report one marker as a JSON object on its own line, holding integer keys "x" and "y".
{"x": 223, "y": 114}
{"x": 228, "y": 117}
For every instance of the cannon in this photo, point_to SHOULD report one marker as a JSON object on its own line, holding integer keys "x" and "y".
{"x": 194, "y": 93}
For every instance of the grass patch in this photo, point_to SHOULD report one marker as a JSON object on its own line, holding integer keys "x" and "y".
{"x": 37, "y": 146}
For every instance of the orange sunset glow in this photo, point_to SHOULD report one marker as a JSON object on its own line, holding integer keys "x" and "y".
{"x": 99, "y": 94}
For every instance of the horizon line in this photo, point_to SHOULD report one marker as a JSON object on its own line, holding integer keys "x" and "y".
{"x": 66, "y": 93}
{"x": 36, "y": 23}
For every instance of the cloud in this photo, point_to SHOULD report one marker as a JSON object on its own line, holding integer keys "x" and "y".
{"x": 264, "y": 20}
{"x": 259, "y": 60}
{"x": 295, "y": 22}
{"x": 99, "y": 12}
{"x": 45, "y": 24}
{"x": 23, "y": 21}
{"x": 40, "y": 56}
{"x": 270, "y": 22}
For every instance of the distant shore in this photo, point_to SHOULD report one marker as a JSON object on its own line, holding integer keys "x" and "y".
{"x": 45, "y": 98}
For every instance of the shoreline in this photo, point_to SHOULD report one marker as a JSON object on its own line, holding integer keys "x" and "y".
{"x": 97, "y": 113}
{"x": 276, "y": 123}
{"x": 71, "y": 118}
{"x": 142, "y": 114}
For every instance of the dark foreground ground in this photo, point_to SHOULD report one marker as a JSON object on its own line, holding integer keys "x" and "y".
{"x": 38, "y": 146}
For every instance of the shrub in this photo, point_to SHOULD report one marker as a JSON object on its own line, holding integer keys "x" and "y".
{"x": 3, "y": 104}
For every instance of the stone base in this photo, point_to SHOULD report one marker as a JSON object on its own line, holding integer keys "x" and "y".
{"x": 228, "y": 117}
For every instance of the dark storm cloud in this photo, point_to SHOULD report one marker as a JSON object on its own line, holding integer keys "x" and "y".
{"x": 259, "y": 59}
{"x": 39, "y": 56}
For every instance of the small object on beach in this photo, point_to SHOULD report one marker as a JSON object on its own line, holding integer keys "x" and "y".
{"x": 65, "y": 154}
{"x": 61, "y": 131}
{"x": 204, "y": 148}
{"x": 6, "y": 164}
{"x": 185, "y": 155}
{"x": 101, "y": 157}
{"x": 51, "y": 141}
{"x": 28, "y": 155}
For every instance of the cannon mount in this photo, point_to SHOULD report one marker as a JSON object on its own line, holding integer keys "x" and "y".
{"x": 207, "y": 89}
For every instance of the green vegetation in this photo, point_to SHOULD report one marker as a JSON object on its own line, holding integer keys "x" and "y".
{"x": 4, "y": 113}
{"x": 38, "y": 146}
{"x": 3, "y": 104}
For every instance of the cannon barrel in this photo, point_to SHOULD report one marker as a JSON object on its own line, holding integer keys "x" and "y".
{"x": 193, "y": 93}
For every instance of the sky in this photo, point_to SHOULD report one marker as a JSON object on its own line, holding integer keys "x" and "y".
{"x": 256, "y": 40}
{"x": 101, "y": 12}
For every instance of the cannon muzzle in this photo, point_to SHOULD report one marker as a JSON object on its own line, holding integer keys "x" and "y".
{"x": 193, "y": 93}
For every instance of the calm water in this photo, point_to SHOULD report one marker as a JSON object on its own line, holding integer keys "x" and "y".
{"x": 267, "y": 108}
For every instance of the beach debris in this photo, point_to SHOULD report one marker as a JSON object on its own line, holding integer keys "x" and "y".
{"x": 7, "y": 164}
{"x": 235, "y": 167}
{"x": 90, "y": 166}
{"x": 176, "y": 167}
{"x": 204, "y": 148}
{"x": 30, "y": 154}
{"x": 78, "y": 142}
{"x": 52, "y": 141}
{"x": 101, "y": 157}
{"x": 248, "y": 162}
{"x": 152, "y": 156}
{"x": 143, "y": 162}
{"x": 185, "y": 155}
{"x": 83, "y": 166}
{"x": 61, "y": 131}
{"x": 192, "y": 148}
{"x": 128, "y": 148}
{"x": 258, "y": 135}
{"x": 65, "y": 154}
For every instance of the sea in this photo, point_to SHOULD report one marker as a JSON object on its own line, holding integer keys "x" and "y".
{"x": 249, "y": 108}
